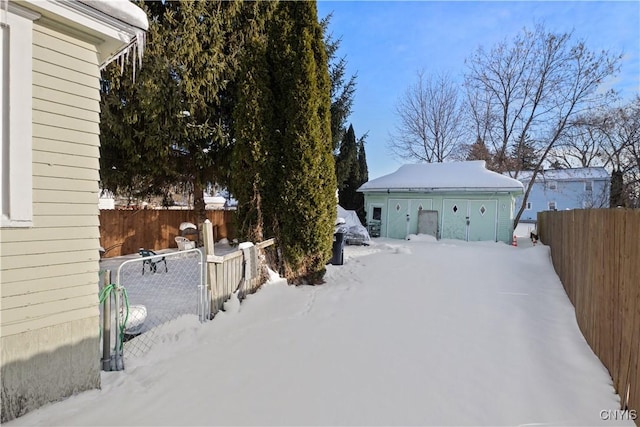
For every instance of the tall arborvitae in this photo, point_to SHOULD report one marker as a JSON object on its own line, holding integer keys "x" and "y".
{"x": 252, "y": 118}
{"x": 299, "y": 201}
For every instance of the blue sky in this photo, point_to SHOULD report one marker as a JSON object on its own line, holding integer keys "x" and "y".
{"x": 387, "y": 42}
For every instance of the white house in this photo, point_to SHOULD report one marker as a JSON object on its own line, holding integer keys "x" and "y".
{"x": 52, "y": 52}
{"x": 561, "y": 189}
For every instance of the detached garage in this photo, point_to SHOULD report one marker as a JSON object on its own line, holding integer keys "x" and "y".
{"x": 460, "y": 200}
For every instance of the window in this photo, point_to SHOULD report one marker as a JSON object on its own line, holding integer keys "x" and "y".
{"x": 15, "y": 117}
{"x": 377, "y": 214}
{"x": 528, "y": 206}
{"x": 552, "y": 185}
{"x": 588, "y": 186}
{"x": 552, "y": 206}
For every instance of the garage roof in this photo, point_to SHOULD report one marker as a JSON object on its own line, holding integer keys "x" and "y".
{"x": 471, "y": 176}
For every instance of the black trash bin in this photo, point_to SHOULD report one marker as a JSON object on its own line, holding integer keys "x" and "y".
{"x": 337, "y": 257}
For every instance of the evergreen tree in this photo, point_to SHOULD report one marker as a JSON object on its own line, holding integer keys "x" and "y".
{"x": 132, "y": 162}
{"x": 364, "y": 177}
{"x": 352, "y": 171}
{"x": 347, "y": 159}
{"x": 173, "y": 124}
{"x": 299, "y": 201}
{"x": 479, "y": 151}
{"x": 617, "y": 196}
{"x": 253, "y": 123}
{"x": 524, "y": 156}
{"x": 342, "y": 88}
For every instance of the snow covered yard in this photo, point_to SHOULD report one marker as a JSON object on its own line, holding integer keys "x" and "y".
{"x": 405, "y": 333}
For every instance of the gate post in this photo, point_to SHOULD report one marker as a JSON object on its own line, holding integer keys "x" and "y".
{"x": 210, "y": 275}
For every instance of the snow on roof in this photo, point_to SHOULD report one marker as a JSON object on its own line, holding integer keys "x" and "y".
{"x": 122, "y": 10}
{"x": 460, "y": 176}
{"x": 564, "y": 174}
{"x": 127, "y": 12}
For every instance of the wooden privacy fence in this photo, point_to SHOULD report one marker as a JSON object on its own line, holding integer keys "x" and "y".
{"x": 125, "y": 231}
{"x": 596, "y": 253}
{"x": 243, "y": 270}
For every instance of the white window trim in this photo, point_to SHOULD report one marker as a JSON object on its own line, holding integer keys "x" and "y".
{"x": 585, "y": 186}
{"x": 528, "y": 206}
{"x": 555, "y": 205}
{"x": 16, "y": 192}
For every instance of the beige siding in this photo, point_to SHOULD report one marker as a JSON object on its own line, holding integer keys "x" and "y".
{"x": 49, "y": 273}
{"x": 67, "y": 146}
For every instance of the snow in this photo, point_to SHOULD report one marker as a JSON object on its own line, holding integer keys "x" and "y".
{"x": 457, "y": 176}
{"x": 348, "y": 222}
{"x": 123, "y": 10}
{"x": 417, "y": 332}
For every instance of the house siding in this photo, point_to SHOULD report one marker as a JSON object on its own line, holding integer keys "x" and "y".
{"x": 49, "y": 317}
{"x": 568, "y": 194}
{"x": 502, "y": 229}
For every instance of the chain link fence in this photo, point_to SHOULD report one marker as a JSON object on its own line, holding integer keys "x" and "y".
{"x": 147, "y": 293}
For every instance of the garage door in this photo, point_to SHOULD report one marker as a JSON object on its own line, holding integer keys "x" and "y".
{"x": 454, "y": 219}
{"x": 397, "y": 225}
{"x": 397, "y": 218}
{"x": 482, "y": 220}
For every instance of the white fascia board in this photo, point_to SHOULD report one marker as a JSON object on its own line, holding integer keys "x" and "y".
{"x": 113, "y": 33}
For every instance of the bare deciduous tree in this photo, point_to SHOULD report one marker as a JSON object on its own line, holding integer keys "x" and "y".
{"x": 431, "y": 120}
{"x": 621, "y": 150}
{"x": 581, "y": 143}
{"x": 534, "y": 86}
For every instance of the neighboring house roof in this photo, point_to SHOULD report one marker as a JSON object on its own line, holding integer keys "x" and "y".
{"x": 564, "y": 174}
{"x": 472, "y": 176}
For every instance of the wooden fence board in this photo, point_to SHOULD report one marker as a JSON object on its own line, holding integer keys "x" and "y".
{"x": 125, "y": 231}
{"x": 596, "y": 254}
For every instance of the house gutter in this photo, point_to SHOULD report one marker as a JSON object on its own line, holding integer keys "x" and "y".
{"x": 443, "y": 190}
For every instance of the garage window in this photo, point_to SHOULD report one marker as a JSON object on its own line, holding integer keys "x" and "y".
{"x": 377, "y": 214}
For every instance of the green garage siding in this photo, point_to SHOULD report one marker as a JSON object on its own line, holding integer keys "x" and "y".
{"x": 471, "y": 203}
{"x": 495, "y": 224}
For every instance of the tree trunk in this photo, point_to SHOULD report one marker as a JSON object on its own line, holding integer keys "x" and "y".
{"x": 617, "y": 189}
{"x": 199, "y": 205}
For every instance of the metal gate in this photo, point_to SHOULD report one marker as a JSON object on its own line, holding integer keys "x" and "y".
{"x": 149, "y": 292}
